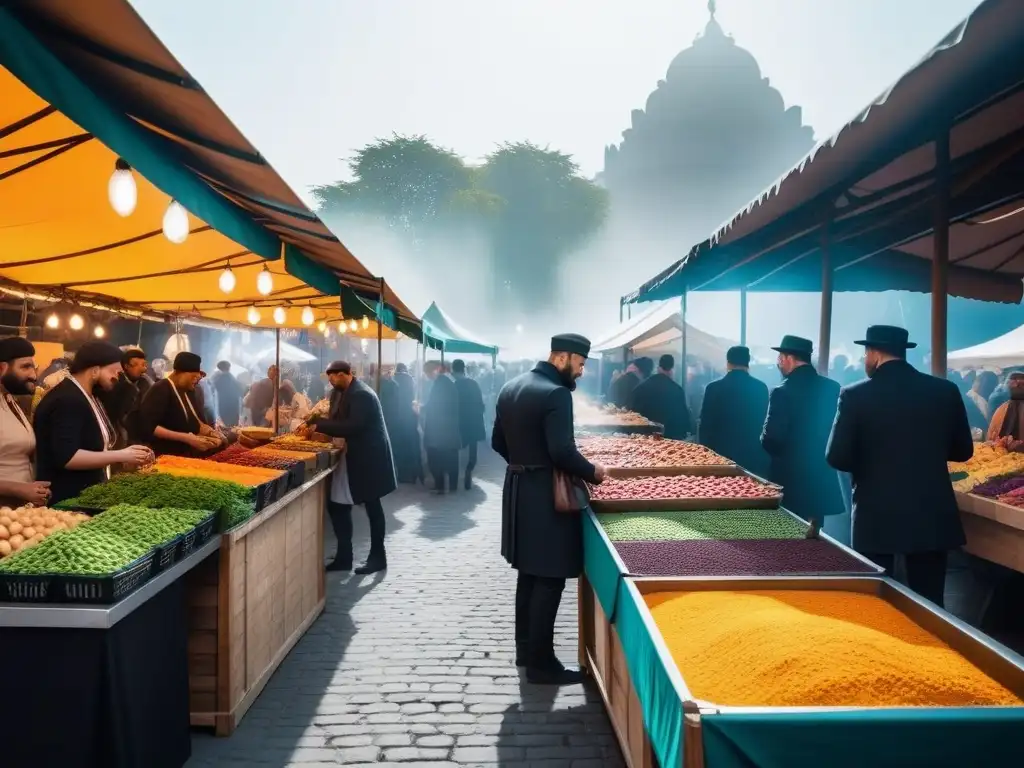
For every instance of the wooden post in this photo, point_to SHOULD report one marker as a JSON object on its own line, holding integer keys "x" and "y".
{"x": 684, "y": 369}
{"x": 940, "y": 256}
{"x": 825, "y": 327}
{"x": 380, "y": 333}
{"x": 277, "y": 381}
{"x": 743, "y": 317}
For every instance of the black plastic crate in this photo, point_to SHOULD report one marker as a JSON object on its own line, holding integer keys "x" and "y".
{"x": 166, "y": 555}
{"x": 104, "y": 590}
{"x": 25, "y": 588}
{"x": 296, "y": 474}
{"x": 198, "y": 536}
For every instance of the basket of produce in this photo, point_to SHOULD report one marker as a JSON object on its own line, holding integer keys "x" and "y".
{"x": 105, "y": 589}
{"x": 171, "y": 532}
{"x": 237, "y": 455}
{"x": 23, "y": 527}
{"x": 252, "y": 437}
{"x": 198, "y": 536}
{"x": 167, "y": 554}
{"x": 310, "y": 460}
{"x": 635, "y": 455}
{"x": 683, "y": 492}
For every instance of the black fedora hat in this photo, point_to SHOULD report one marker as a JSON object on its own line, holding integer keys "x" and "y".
{"x": 795, "y": 345}
{"x": 887, "y": 337}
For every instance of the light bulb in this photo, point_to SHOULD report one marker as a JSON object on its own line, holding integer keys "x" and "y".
{"x": 265, "y": 282}
{"x": 280, "y": 315}
{"x": 327, "y": 331}
{"x": 366, "y": 322}
{"x": 352, "y": 325}
{"x": 76, "y": 322}
{"x": 227, "y": 280}
{"x": 53, "y": 321}
{"x": 99, "y": 332}
{"x": 254, "y": 315}
{"x": 322, "y": 325}
{"x": 122, "y": 192}
{"x": 341, "y": 327}
{"x": 307, "y": 315}
{"x": 176, "y": 223}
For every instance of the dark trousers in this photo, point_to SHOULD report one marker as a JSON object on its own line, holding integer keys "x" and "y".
{"x": 924, "y": 572}
{"x": 473, "y": 454}
{"x": 444, "y": 463}
{"x": 341, "y": 522}
{"x": 537, "y": 601}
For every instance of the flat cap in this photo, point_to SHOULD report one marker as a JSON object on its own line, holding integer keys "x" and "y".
{"x": 339, "y": 366}
{"x": 572, "y": 343}
{"x": 188, "y": 362}
{"x": 93, "y": 354}
{"x": 14, "y": 348}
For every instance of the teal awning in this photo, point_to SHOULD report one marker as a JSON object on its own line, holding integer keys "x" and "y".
{"x": 441, "y": 332}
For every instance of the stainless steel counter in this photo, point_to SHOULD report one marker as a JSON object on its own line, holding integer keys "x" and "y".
{"x": 71, "y": 616}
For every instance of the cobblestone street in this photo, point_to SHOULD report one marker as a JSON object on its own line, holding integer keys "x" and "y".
{"x": 415, "y": 666}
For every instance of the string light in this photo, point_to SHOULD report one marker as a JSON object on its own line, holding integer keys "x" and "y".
{"x": 307, "y": 315}
{"x": 254, "y": 315}
{"x": 76, "y": 323}
{"x": 352, "y": 325}
{"x": 322, "y": 325}
{"x": 280, "y": 315}
{"x": 122, "y": 192}
{"x": 176, "y": 223}
{"x": 265, "y": 282}
{"x": 99, "y": 332}
{"x": 227, "y": 279}
{"x": 327, "y": 331}
{"x": 366, "y": 322}
{"x": 53, "y": 321}
{"x": 341, "y": 327}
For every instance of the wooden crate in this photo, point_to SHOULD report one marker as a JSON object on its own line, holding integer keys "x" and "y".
{"x": 250, "y": 604}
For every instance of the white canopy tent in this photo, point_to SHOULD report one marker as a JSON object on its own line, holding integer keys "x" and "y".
{"x": 1002, "y": 352}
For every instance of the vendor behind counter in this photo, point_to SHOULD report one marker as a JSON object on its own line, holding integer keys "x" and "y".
{"x": 170, "y": 420}
{"x": 17, "y": 440}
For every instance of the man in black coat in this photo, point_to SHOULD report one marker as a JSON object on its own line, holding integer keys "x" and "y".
{"x": 733, "y": 413}
{"x": 796, "y": 430}
{"x": 663, "y": 401}
{"x": 441, "y": 433}
{"x": 533, "y": 432}
{"x": 894, "y": 432}
{"x": 357, "y": 417}
{"x": 408, "y": 445}
{"x": 620, "y": 391}
{"x": 471, "y": 416}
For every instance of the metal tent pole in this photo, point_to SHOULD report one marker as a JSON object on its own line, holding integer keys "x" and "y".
{"x": 277, "y": 381}
{"x": 825, "y": 327}
{"x": 940, "y": 257}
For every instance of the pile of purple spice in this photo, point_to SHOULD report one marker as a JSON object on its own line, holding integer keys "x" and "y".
{"x": 740, "y": 557}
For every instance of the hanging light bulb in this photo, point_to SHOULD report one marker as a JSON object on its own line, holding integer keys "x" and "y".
{"x": 307, "y": 315}
{"x": 122, "y": 192}
{"x": 327, "y": 331}
{"x": 227, "y": 279}
{"x": 341, "y": 327}
{"x": 76, "y": 323}
{"x": 176, "y": 223}
{"x": 366, "y": 322}
{"x": 254, "y": 315}
{"x": 99, "y": 331}
{"x": 280, "y": 315}
{"x": 53, "y": 321}
{"x": 352, "y": 325}
{"x": 265, "y": 282}
{"x": 322, "y": 326}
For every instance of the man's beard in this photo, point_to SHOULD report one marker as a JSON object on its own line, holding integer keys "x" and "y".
{"x": 567, "y": 377}
{"x": 870, "y": 368}
{"x": 16, "y": 386}
{"x": 782, "y": 372}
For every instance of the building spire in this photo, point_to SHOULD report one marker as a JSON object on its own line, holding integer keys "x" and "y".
{"x": 712, "y": 7}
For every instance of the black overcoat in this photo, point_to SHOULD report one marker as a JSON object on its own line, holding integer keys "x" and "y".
{"x": 731, "y": 418}
{"x": 533, "y": 432}
{"x": 356, "y": 415}
{"x": 795, "y": 434}
{"x": 620, "y": 392}
{"x": 663, "y": 401}
{"x": 441, "y": 416}
{"x": 471, "y": 410}
{"x": 894, "y": 434}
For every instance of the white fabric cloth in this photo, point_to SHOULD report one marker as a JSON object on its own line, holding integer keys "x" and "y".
{"x": 340, "y": 492}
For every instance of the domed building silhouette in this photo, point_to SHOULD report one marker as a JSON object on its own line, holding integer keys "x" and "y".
{"x": 712, "y": 136}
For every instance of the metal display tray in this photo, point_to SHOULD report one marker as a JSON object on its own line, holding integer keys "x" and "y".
{"x": 705, "y": 470}
{"x": 683, "y": 505}
{"x": 995, "y": 660}
{"x": 621, "y": 429}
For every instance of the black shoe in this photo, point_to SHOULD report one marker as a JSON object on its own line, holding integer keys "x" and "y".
{"x": 555, "y": 676}
{"x": 468, "y": 484}
{"x": 339, "y": 565}
{"x": 521, "y": 656}
{"x": 372, "y": 565}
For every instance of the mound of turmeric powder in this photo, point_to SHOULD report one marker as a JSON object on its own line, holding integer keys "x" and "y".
{"x": 813, "y": 649}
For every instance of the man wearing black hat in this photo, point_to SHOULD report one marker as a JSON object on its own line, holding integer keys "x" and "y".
{"x": 733, "y": 412}
{"x": 894, "y": 433}
{"x": 170, "y": 417}
{"x": 17, "y": 440}
{"x": 660, "y": 399}
{"x": 74, "y": 435}
{"x": 367, "y": 472}
{"x": 534, "y": 433}
{"x": 124, "y": 399}
{"x": 795, "y": 433}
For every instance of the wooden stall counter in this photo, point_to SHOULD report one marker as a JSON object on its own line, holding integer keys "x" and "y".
{"x": 995, "y": 531}
{"x": 249, "y": 605}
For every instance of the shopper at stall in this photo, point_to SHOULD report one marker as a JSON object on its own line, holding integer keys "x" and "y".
{"x": 733, "y": 412}
{"x": 407, "y": 445}
{"x": 1008, "y": 418}
{"x": 169, "y": 416}
{"x": 229, "y": 394}
{"x": 74, "y": 435}
{"x": 895, "y": 432}
{"x": 260, "y": 399}
{"x": 366, "y": 473}
{"x": 661, "y": 400}
{"x": 620, "y": 390}
{"x": 795, "y": 433}
{"x": 123, "y": 400}
{"x": 441, "y": 434}
{"x": 534, "y": 433}
{"x": 471, "y": 416}
{"x": 17, "y": 440}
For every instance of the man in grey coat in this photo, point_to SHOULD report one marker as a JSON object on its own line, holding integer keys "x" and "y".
{"x": 533, "y": 432}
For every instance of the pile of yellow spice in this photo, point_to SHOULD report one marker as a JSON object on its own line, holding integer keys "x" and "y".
{"x": 813, "y": 649}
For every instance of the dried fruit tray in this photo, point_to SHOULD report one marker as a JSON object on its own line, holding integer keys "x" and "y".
{"x": 622, "y": 429}
{"x": 650, "y": 455}
{"x": 684, "y": 492}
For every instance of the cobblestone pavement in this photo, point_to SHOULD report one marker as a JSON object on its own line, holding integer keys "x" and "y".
{"x": 415, "y": 666}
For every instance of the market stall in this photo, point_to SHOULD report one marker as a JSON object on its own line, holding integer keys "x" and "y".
{"x": 718, "y": 628}
{"x": 1006, "y": 351}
